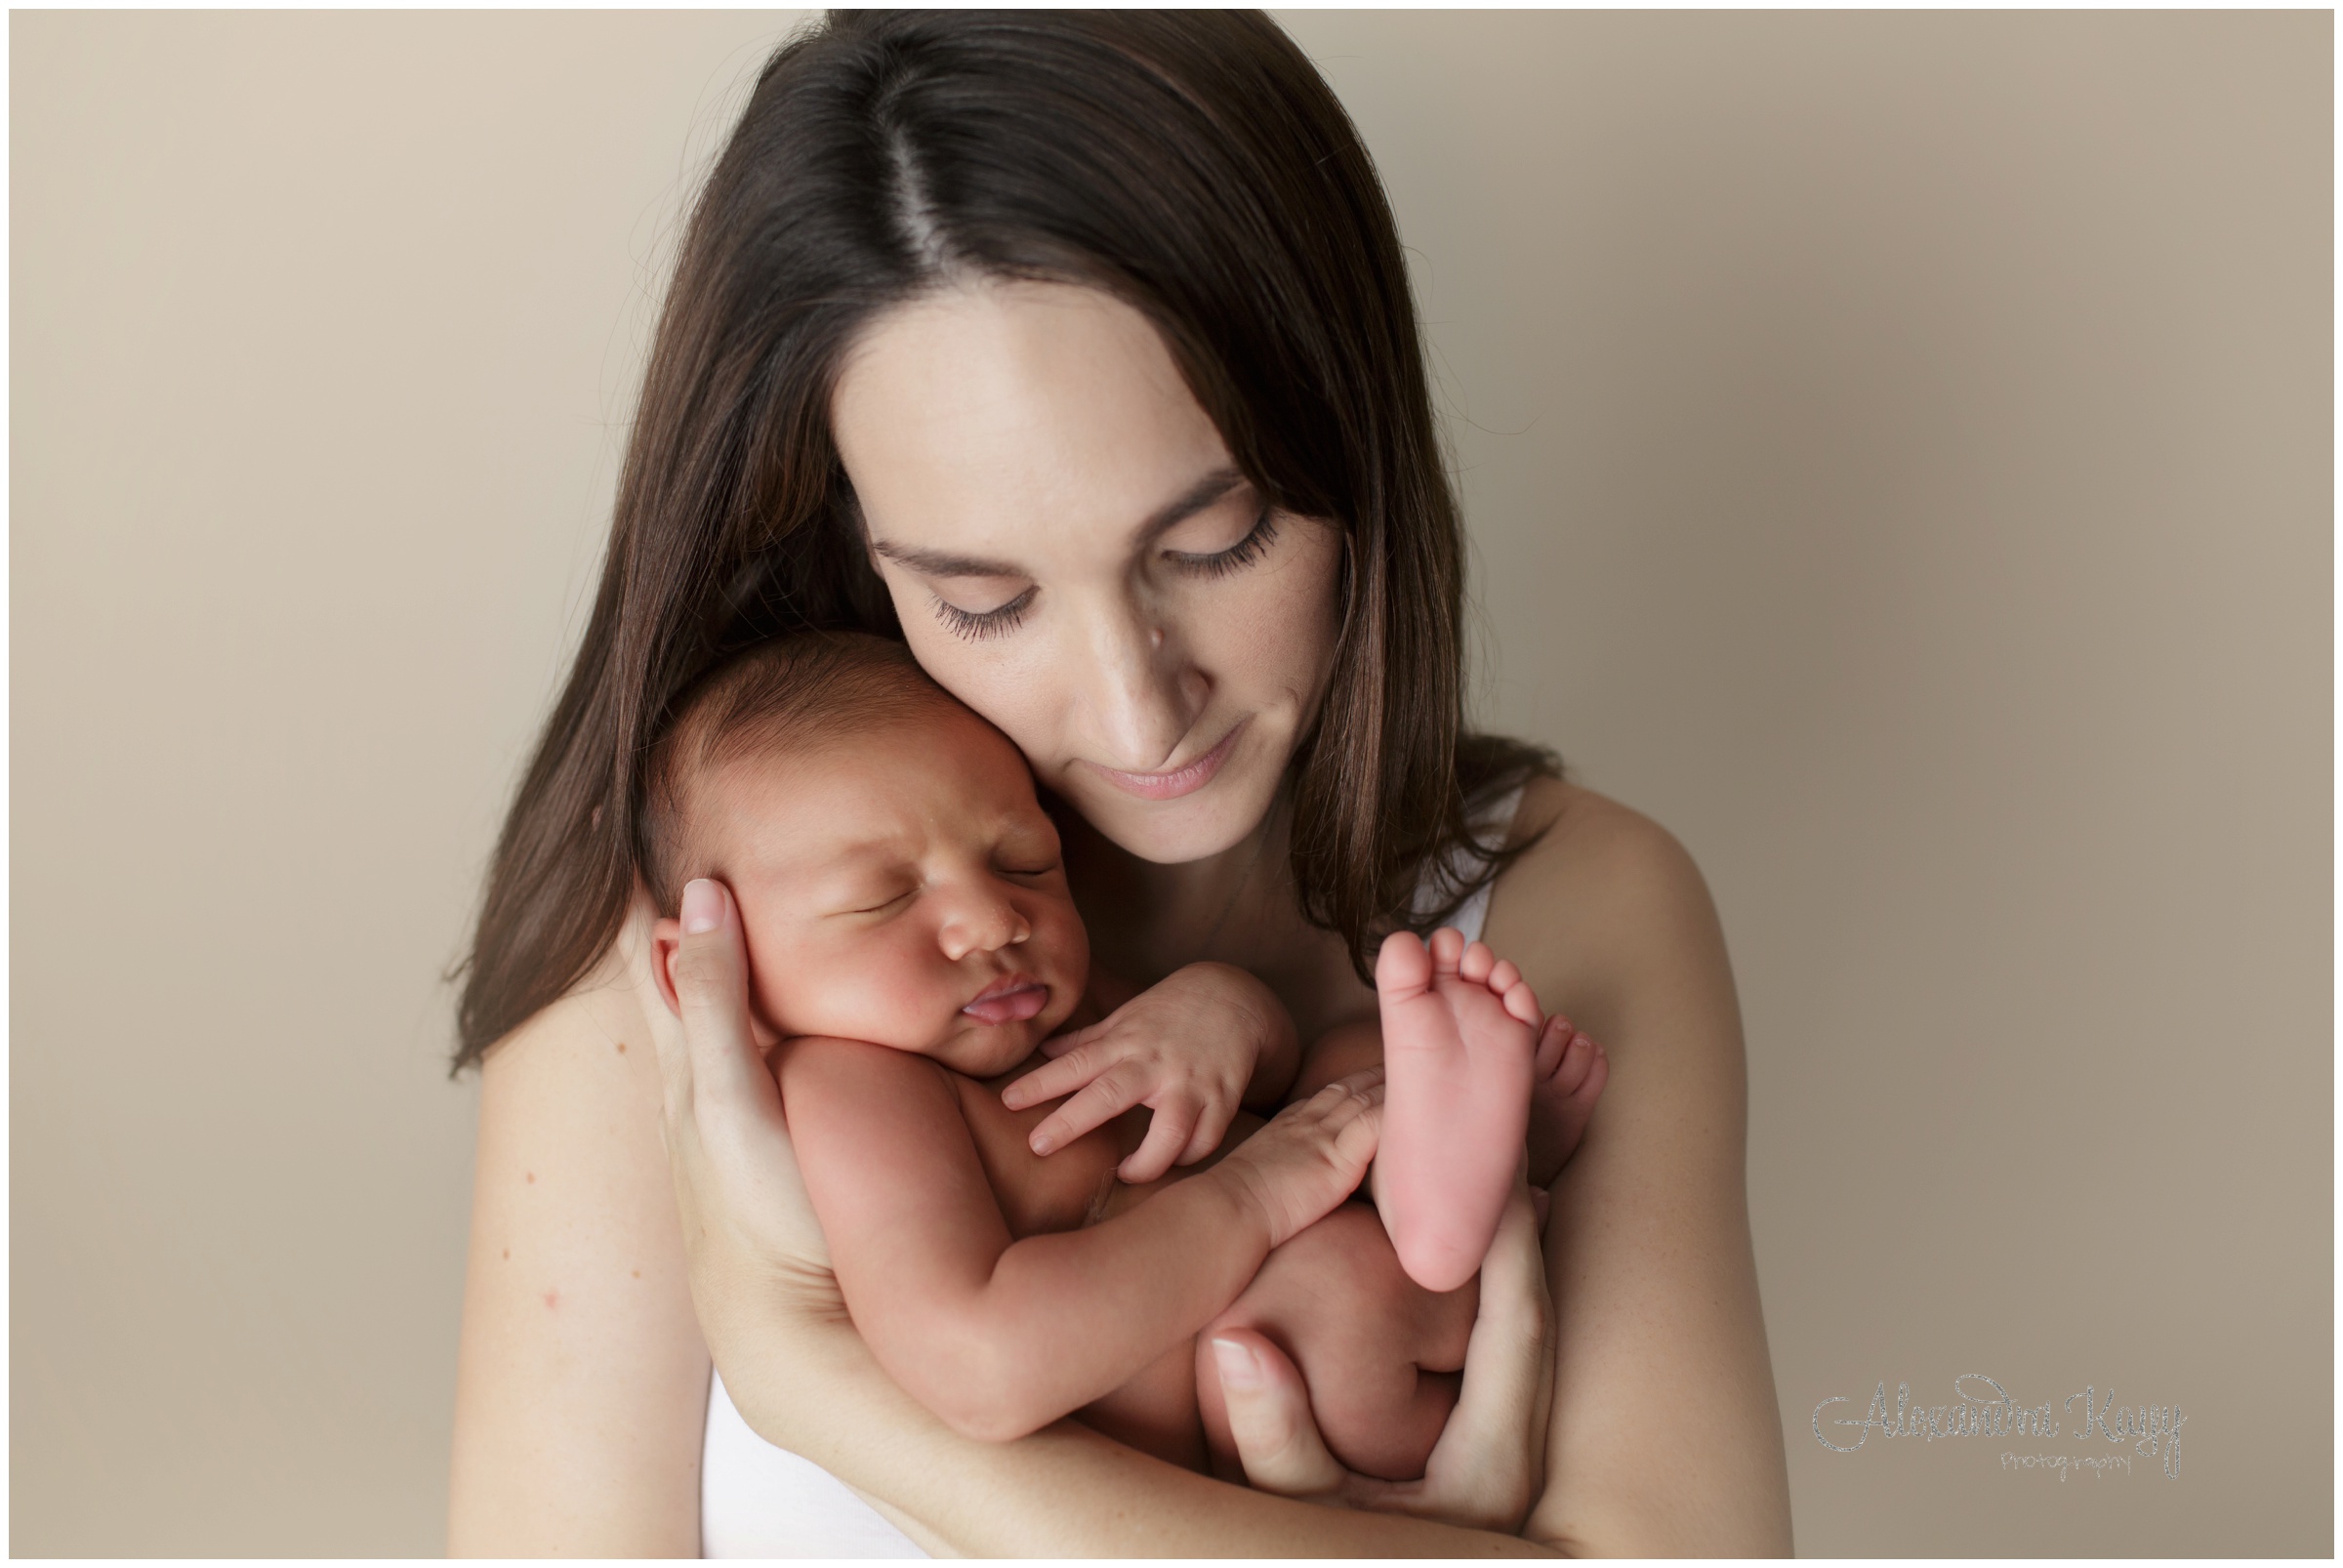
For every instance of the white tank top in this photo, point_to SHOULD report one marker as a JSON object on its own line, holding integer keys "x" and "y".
{"x": 760, "y": 1501}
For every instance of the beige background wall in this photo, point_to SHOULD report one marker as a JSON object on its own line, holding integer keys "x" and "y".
{"x": 1898, "y": 450}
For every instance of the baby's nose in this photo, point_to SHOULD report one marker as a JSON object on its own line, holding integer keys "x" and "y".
{"x": 984, "y": 926}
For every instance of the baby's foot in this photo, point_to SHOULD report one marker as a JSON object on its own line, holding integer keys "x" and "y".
{"x": 1459, "y": 1049}
{"x": 1569, "y": 1075}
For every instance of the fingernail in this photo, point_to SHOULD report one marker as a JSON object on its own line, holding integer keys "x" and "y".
{"x": 1237, "y": 1363}
{"x": 1041, "y": 1145}
{"x": 703, "y": 907}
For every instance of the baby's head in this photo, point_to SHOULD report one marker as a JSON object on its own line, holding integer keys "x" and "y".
{"x": 897, "y": 879}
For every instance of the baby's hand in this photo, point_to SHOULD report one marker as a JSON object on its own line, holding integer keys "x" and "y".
{"x": 1311, "y": 1156}
{"x": 1187, "y": 1048}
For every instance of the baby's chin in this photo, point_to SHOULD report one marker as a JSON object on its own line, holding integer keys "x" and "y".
{"x": 983, "y": 1049}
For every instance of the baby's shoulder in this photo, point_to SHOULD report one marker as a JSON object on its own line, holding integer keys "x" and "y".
{"x": 820, "y": 1064}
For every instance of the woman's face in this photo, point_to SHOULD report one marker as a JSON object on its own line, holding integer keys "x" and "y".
{"x": 1074, "y": 555}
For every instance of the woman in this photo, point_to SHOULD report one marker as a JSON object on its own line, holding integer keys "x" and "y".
{"x": 1076, "y": 350}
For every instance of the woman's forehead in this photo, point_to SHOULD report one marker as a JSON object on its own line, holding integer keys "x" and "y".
{"x": 1002, "y": 418}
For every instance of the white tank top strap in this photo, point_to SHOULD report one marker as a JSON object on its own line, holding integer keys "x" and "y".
{"x": 1440, "y": 882}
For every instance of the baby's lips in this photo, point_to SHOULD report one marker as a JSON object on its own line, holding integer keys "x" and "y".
{"x": 1012, "y": 1005}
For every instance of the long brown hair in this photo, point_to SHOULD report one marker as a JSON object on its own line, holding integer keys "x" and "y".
{"x": 1191, "y": 163}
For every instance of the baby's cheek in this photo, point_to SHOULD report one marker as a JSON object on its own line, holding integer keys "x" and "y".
{"x": 1068, "y": 944}
{"x": 908, "y": 992}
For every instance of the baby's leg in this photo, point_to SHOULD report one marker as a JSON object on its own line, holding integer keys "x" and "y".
{"x": 1379, "y": 1353}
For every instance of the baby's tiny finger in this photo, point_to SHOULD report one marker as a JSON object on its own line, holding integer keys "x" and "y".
{"x": 1105, "y": 1098}
{"x": 1058, "y": 1045}
{"x": 1047, "y": 1082}
{"x": 1211, "y": 1128}
{"x": 1166, "y": 1135}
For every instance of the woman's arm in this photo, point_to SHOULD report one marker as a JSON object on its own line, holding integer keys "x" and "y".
{"x": 803, "y": 1379}
{"x": 1666, "y": 1438}
{"x": 581, "y": 1377}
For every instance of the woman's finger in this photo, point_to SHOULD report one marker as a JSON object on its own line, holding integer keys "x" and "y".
{"x": 1489, "y": 1464}
{"x": 723, "y": 1064}
{"x": 1269, "y": 1418}
{"x": 734, "y": 1166}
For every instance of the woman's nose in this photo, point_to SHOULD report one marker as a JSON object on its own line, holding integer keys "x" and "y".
{"x": 982, "y": 924}
{"x": 1140, "y": 690}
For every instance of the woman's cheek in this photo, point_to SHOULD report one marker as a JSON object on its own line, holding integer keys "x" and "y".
{"x": 1289, "y": 622}
{"x": 1007, "y": 680}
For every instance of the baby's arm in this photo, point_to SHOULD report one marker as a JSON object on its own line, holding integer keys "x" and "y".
{"x": 1192, "y": 1047}
{"x": 1001, "y": 1337}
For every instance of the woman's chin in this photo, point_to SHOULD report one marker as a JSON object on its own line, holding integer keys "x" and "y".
{"x": 1212, "y": 821}
{"x": 1167, "y": 836}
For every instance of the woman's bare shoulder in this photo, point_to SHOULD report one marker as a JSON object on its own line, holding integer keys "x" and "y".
{"x": 1648, "y": 1243}
{"x": 1604, "y": 904}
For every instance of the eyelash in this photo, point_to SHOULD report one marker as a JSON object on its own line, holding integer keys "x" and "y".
{"x": 1237, "y": 557}
{"x": 975, "y": 625}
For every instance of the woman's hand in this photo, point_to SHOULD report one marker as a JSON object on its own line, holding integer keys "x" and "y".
{"x": 1489, "y": 1465}
{"x": 755, "y": 1250}
{"x": 1193, "y": 1047}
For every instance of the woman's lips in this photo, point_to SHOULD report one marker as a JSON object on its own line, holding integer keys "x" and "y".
{"x": 1011, "y": 999}
{"x": 1179, "y": 781}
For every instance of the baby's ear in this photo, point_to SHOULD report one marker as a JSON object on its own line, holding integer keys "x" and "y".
{"x": 667, "y": 936}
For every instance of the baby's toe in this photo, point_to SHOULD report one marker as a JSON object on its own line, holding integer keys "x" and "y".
{"x": 1552, "y": 1040}
{"x": 1404, "y": 964}
{"x": 1578, "y": 1060}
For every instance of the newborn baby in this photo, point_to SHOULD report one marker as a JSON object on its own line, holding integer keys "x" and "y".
{"x": 912, "y": 944}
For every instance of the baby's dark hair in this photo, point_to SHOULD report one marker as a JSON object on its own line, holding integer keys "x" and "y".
{"x": 802, "y": 689}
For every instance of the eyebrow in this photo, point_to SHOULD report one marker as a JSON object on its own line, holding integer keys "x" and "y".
{"x": 1171, "y": 514}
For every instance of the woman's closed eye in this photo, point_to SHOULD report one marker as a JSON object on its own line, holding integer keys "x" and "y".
{"x": 1237, "y": 557}
{"x": 974, "y": 623}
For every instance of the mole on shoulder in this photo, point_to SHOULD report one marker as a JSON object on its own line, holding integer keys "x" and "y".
{"x": 622, "y": 1048}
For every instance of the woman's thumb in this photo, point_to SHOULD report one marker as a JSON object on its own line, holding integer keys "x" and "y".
{"x": 712, "y": 990}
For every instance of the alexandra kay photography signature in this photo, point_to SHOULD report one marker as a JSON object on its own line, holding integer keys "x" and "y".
{"x": 1984, "y": 1408}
